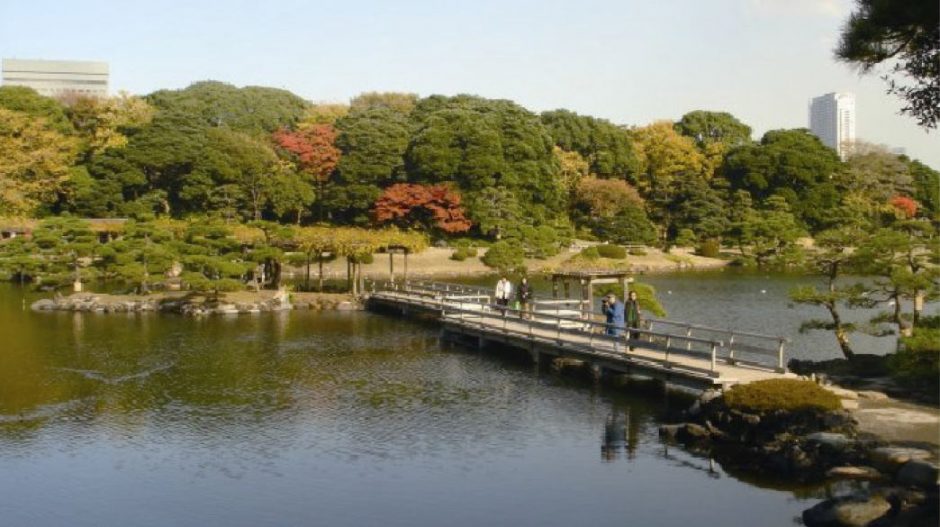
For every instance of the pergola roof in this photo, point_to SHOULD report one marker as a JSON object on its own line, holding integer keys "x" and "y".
{"x": 591, "y": 274}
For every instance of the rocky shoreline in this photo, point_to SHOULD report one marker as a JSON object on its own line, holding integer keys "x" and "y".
{"x": 197, "y": 304}
{"x": 892, "y": 484}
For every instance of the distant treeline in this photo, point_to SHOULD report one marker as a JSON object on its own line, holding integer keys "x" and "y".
{"x": 445, "y": 165}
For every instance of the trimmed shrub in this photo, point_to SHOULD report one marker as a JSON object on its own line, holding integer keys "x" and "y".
{"x": 614, "y": 252}
{"x": 590, "y": 253}
{"x": 709, "y": 248}
{"x": 781, "y": 394}
{"x": 505, "y": 257}
{"x": 462, "y": 253}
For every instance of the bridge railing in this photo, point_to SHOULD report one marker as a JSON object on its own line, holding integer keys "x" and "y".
{"x": 732, "y": 347}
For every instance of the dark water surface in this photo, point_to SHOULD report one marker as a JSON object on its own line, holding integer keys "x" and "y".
{"x": 330, "y": 419}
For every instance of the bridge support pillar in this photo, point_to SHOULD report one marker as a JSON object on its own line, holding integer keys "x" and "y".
{"x": 597, "y": 372}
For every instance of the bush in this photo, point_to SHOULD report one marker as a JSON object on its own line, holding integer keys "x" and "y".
{"x": 709, "y": 248}
{"x": 685, "y": 238}
{"x": 614, "y": 252}
{"x": 462, "y": 253}
{"x": 918, "y": 360}
{"x": 781, "y": 394}
{"x": 590, "y": 253}
{"x": 504, "y": 256}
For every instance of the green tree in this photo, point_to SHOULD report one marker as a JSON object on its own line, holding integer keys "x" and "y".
{"x": 402, "y": 103}
{"x": 926, "y": 183}
{"x": 28, "y": 101}
{"x": 504, "y": 256}
{"x": 606, "y": 147}
{"x": 709, "y": 127}
{"x": 254, "y": 110}
{"x": 769, "y": 235}
{"x": 142, "y": 254}
{"x": 790, "y": 163}
{"x": 64, "y": 246}
{"x": 908, "y": 34}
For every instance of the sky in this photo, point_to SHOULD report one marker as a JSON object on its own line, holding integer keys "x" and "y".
{"x": 632, "y": 62}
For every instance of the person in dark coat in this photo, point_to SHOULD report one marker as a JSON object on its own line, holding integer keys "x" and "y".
{"x": 524, "y": 296}
{"x": 613, "y": 310}
{"x": 632, "y": 314}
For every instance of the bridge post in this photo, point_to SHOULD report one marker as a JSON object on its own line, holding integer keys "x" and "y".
{"x": 780, "y": 366}
{"x": 597, "y": 372}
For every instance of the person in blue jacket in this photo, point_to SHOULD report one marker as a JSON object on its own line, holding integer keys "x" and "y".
{"x": 613, "y": 310}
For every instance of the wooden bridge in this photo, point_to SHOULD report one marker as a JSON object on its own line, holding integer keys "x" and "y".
{"x": 682, "y": 354}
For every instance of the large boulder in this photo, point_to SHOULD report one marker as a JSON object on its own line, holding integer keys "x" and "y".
{"x": 43, "y": 304}
{"x": 890, "y": 458}
{"x": 851, "y": 511}
{"x": 918, "y": 473}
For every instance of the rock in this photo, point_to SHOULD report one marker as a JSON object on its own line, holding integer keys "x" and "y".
{"x": 346, "y": 306}
{"x": 918, "y": 473}
{"x": 849, "y": 404}
{"x": 692, "y": 432}
{"x": 43, "y": 304}
{"x": 669, "y": 431}
{"x": 853, "y": 473}
{"x": 842, "y": 393}
{"x": 829, "y": 439}
{"x": 872, "y": 395}
{"x": 709, "y": 395}
{"x": 855, "y": 511}
{"x": 890, "y": 458}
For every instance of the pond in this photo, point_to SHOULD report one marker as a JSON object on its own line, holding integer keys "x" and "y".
{"x": 339, "y": 418}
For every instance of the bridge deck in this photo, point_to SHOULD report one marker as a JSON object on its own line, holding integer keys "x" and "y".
{"x": 674, "y": 357}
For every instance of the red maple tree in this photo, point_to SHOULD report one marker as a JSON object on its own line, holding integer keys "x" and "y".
{"x": 408, "y": 205}
{"x": 315, "y": 148}
{"x": 905, "y": 205}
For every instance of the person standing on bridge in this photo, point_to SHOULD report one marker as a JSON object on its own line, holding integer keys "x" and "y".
{"x": 503, "y": 293}
{"x": 632, "y": 313}
{"x": 613, "y": 310}
{"x": 523, "y": 297}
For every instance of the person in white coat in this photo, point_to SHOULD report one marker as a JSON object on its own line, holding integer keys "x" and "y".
{"x": 503, "y": 293}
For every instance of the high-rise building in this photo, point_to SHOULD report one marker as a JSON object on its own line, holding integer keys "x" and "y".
{"x": 832, "y": 120}
{"x": 58, "y": 77}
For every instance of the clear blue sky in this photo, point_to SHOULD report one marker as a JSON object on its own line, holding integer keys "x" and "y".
{"x": 632, "y": 62}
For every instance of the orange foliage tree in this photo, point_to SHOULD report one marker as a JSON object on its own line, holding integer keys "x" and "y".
{"x": 314, "y": 147}
{"x": 427, "y": 206}
{"x": 904, "y": 205}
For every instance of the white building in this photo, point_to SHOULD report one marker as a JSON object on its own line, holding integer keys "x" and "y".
{"x": 53, "y": 78}
{"x": 832, "y": 120}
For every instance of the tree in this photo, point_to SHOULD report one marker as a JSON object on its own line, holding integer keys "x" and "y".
{"x": 831, "y": 259}
{"x": 908, "y": 33}
{"x": 479, "y": 143}
{"x": 711, "y": 127}
{"x": 322, "y": 113}
{"x": 425, "y": 206}
{"x": 606, "y": 147}
{"x": 143, "y": 253}
{"x": 28, "y": 101}
{"x": 572, "y": 167}
{"x": 663, "y": 156}
{"x": 873, "y": 176}
{"x": 63, "y": 244}
{"x": 253, "y": 110}
{"x": 496, "y": 212}
{"x": 504, "y": 256}
{"x": 926, "y": 181}
{"x": 768, "y": 235}
{"x": 314, "y": 148}
{"x": 34, "y": 167}
{"x": 714, "y": 133}
{"x": 372, "y": 142}
{"x": 103, "y": 123}
{"x": 789, "y": 163}
{"x": 402, "y": 103}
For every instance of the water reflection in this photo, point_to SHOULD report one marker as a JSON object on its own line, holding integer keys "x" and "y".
{"x": 334, "y": 418}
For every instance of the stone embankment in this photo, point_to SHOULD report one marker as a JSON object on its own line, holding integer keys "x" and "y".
{"x": 886, "y": 484}
{"x": 198, "y": 304}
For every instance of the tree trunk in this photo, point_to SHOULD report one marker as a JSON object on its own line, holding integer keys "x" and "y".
{"x": 842, "y": 336}
{"x": 307, "y": 274}
{"x": 320, "y": 273}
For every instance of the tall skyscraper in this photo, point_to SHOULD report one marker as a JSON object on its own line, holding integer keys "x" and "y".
{"x": 58, "y": 77}
{"x": 832, "y": 120}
